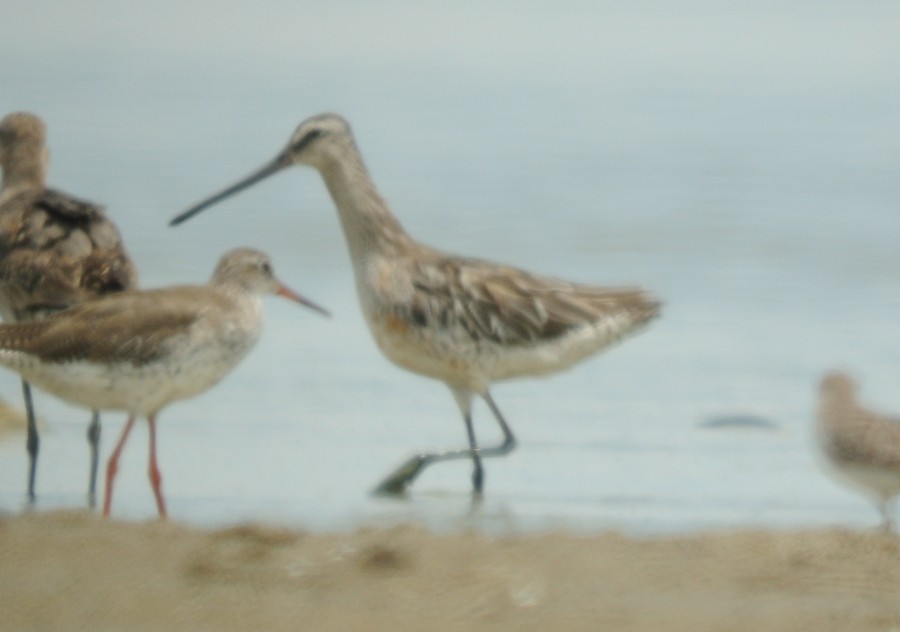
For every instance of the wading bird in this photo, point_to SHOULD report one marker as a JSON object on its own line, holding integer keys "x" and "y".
{"x": 862, "y": 447}
{"x": 467, "y": 322}
{"x": 55, "y": 251}
{"x": 139, "y": 351}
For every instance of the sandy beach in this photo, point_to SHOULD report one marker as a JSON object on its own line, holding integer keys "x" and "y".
{"x": 75, "y": 570}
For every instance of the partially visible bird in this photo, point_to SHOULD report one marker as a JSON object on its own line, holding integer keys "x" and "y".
{"x": 139, "y": 351}
{"x": 861, "y": 446}
{"x": 55, "y": 251}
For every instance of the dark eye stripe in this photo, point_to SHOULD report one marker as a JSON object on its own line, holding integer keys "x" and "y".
{"x": 306, "y": 140}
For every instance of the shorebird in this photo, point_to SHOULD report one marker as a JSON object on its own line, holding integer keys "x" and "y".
{"x": 862, "y": 447}
{"x": 55, "y": 251}
{"x": 467, "y": 322}
{"x": 139, "y": 351}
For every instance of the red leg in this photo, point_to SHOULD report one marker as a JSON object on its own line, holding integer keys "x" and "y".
{"x": 155, "y": 474}
{"x": 112, "y": 466}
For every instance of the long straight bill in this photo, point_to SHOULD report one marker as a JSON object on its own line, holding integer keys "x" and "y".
{"x": 264, "y": 172}
{"x": 290, "y": 294}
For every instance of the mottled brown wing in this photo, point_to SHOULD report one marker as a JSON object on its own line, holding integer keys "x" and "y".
{"x": 56, "y": 251}
{"x": 512, "y": 307}
{"x": 868, "y": 439}
{"x": 68, "y": 208}
{"x": 130, "y": 326}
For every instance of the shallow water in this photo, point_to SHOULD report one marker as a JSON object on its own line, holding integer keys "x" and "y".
{"x": 742, "y": 164}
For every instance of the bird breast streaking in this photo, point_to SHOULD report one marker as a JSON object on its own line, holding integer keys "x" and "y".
{"x": 467, "y": 322}
{"x": 57, "y": 251}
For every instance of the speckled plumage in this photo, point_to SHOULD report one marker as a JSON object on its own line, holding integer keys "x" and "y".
{"x": 862, "y": 446}
{"x": 139, "y": 351}
{"x": 468, "y": 322}
{"x": 55, "y": 250}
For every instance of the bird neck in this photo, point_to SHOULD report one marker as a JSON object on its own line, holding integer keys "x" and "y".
{"x": 24, "y": 168}
{"x": 369, "y": 226}
{"x": 835, "y": 407}
{"x": 235, "y": 303}
{"x": 235, "y": 288}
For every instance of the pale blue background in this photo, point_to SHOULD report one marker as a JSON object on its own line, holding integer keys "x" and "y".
{"x": 739, "y": 159}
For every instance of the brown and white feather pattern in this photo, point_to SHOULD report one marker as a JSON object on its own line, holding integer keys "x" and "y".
{"x": 97, "y": 332}
{"x": 470, "y": 321}
{"x": 464, "y": 321}
{"x": 135, "y": 351}
{"x": 852, "y": 435}
{"x": 56, "y": 251}
{"x": 862, "y": 447}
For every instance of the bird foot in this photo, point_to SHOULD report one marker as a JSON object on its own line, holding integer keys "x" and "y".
{"x": 402, "y": 477}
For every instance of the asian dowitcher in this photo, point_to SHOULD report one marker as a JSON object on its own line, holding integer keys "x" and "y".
{"x": 55, "y": 251}
{"x": 466, "y": 322}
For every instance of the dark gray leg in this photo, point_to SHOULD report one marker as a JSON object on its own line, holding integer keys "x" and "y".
{"x": 93, "y": 436}
{"x": 477, "y": 469}
{"x": 400, "y": 479}
{"x": 509, "y": 439}
{"x": 32, "y": 441}
{"x": 887, "y": 521}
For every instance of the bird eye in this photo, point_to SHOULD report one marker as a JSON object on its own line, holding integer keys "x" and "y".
{"x": 267, "y": 268}
{"x": 307, "y": 138}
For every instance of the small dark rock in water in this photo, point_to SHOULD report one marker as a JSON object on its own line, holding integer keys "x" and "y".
{"x": 727, "y": 422}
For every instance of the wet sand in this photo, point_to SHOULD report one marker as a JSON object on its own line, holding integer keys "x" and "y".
{"x": 74, "y": 570}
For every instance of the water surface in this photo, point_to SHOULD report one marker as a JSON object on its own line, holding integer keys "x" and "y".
{"x": 739, "y": 162}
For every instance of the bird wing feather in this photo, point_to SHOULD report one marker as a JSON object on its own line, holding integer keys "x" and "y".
{"x": 866, "y": 438}
{"x": 131, "y": 327}
{"x": 56, "y": 251}
{"x": 512, "y": 307}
